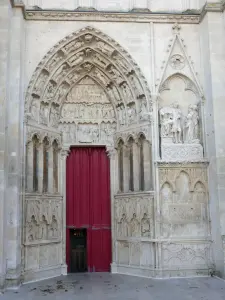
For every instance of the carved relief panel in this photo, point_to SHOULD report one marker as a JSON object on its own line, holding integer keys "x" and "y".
{"x": 87, "y": 115}
{"x": 134, "y": 216}
{"x": 43, "y": 219}
{"x": 184, "y": 201}
{"x": 187, "y": 255}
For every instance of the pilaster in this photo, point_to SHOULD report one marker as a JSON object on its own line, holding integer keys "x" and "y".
{"x": 213, "y": 59}
{"x": 15, "y": 147}
{"x": 64, "y": 154}
{"x": 5, "y": 19}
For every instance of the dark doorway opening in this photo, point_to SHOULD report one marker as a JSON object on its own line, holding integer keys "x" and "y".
{"x": 78, "y": 243}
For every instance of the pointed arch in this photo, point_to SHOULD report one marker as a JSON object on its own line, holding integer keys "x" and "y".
{"x": 86, "y": 52}
{"x": 177, "y": 58}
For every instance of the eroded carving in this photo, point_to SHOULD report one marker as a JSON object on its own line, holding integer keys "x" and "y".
{"x": 192, "y": 125}
{"x": 184, "y": 202}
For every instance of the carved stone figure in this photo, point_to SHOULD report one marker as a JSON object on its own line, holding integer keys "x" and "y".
{"x": 104, "y": 48}
{"x": 116, "y": 93}
{"x": 166, "y": 121}
{"x": 176, "y": 125}
{"x": 192, "y": 125}
{"x": 95, "y": 135}
{"x": 131, "y": 113}
{"x": 143, "y": 111}
{"x": 121, "y": 115}
{"x": 103, "y": 79}
{"x": 88, "y": 133}
{"x": 145, "y": 226}
{"x": 61, "y": 72}
{"x": 32, "y": 233}
{"x": 107, "y": 132}
{"x": 170, "y": 120}
{"x": 100, "y": 60}
{"x": 77, "y": 58}
{"x": 73, "y": 46}
{"x": 50, "y": 92}
{"x": 134, "y": 226}
{"x": 55, "y": 60}
{"x": 43, "y": 229}
{"x": 35, "y": 110}
{"x": 123, "y": 229}
{"x": 166, "y": 193}
{"x": 54, "y": 116}
{"x": 199, "y": 193}
{"x": 115, "y": 75}
{"x": 61, "y": 92}
{"x": 54, "y": 229}
{"x": 42, "y": 80}
{"x": 136, "y": 86}
{"x": 122, "y": 63}
{"x": 44, "y": 113}
{"x": 127, "y": 92}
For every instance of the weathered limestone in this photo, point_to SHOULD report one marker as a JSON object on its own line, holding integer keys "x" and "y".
{"x": 157, "y": 107}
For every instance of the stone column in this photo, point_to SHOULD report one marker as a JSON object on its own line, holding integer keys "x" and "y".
{"x": 50, "y": 170}
{"x": 126, "y": 169}
{"x": 40, "y": 167}
{"x": 29, "y": 167}
{"x": 113, "y": 187}
{"x": 147, "y": 165}
{"x": 62, "y": 189}
{"x": 136, "y": 159}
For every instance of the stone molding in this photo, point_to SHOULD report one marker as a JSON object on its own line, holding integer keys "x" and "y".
{"x": 193, "y": 17}
{"x": 96, "y": 16}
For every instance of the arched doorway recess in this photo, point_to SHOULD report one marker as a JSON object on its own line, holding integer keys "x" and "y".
{"x": 88, "y": 91}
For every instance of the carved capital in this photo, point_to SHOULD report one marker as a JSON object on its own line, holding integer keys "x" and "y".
{"x": 64, "y": 153}
{"x": 111, "y": 152}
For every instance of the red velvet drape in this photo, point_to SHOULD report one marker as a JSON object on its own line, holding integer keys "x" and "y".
{"x": 88, "y": 203}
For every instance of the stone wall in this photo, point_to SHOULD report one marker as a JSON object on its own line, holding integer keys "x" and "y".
{"x": 167, "y": 69}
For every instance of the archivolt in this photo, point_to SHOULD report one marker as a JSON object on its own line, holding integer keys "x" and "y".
{"x": 88, "y": 53}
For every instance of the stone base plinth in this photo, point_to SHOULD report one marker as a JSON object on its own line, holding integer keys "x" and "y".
{"x": 182, "y": 152}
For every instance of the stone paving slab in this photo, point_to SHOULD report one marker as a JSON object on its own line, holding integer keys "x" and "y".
{"x": 98, "y": 286}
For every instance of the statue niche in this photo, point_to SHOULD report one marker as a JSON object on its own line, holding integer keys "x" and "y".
{"x": 179, "y": 121}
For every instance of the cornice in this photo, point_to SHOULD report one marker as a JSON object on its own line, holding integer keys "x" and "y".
{"x": 100, "y": 16}
{"x": 19, "y": 4}
{"x": 212, "y": 7}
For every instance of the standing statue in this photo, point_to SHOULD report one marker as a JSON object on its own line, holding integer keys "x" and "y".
{"x": 121, "y": 115}
{"x": 192, "y": 125}
{"x": 176, "y": 123}
{"x": 166, "y": 120}
{"x": 143, "y": 111}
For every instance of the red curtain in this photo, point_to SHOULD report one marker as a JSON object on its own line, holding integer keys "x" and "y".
{"x": 88, "y": 203}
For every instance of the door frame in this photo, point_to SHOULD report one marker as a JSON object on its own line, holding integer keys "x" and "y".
{"x": 113, "y": 165}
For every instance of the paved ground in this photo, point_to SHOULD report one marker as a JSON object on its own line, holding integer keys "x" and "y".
{"x": 107, "y": 286}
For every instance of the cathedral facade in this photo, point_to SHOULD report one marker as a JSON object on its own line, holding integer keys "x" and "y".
{"x": 112, "y": 131}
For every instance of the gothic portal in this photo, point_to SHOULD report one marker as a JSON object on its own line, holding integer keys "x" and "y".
{"x": 87, "y": 91}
